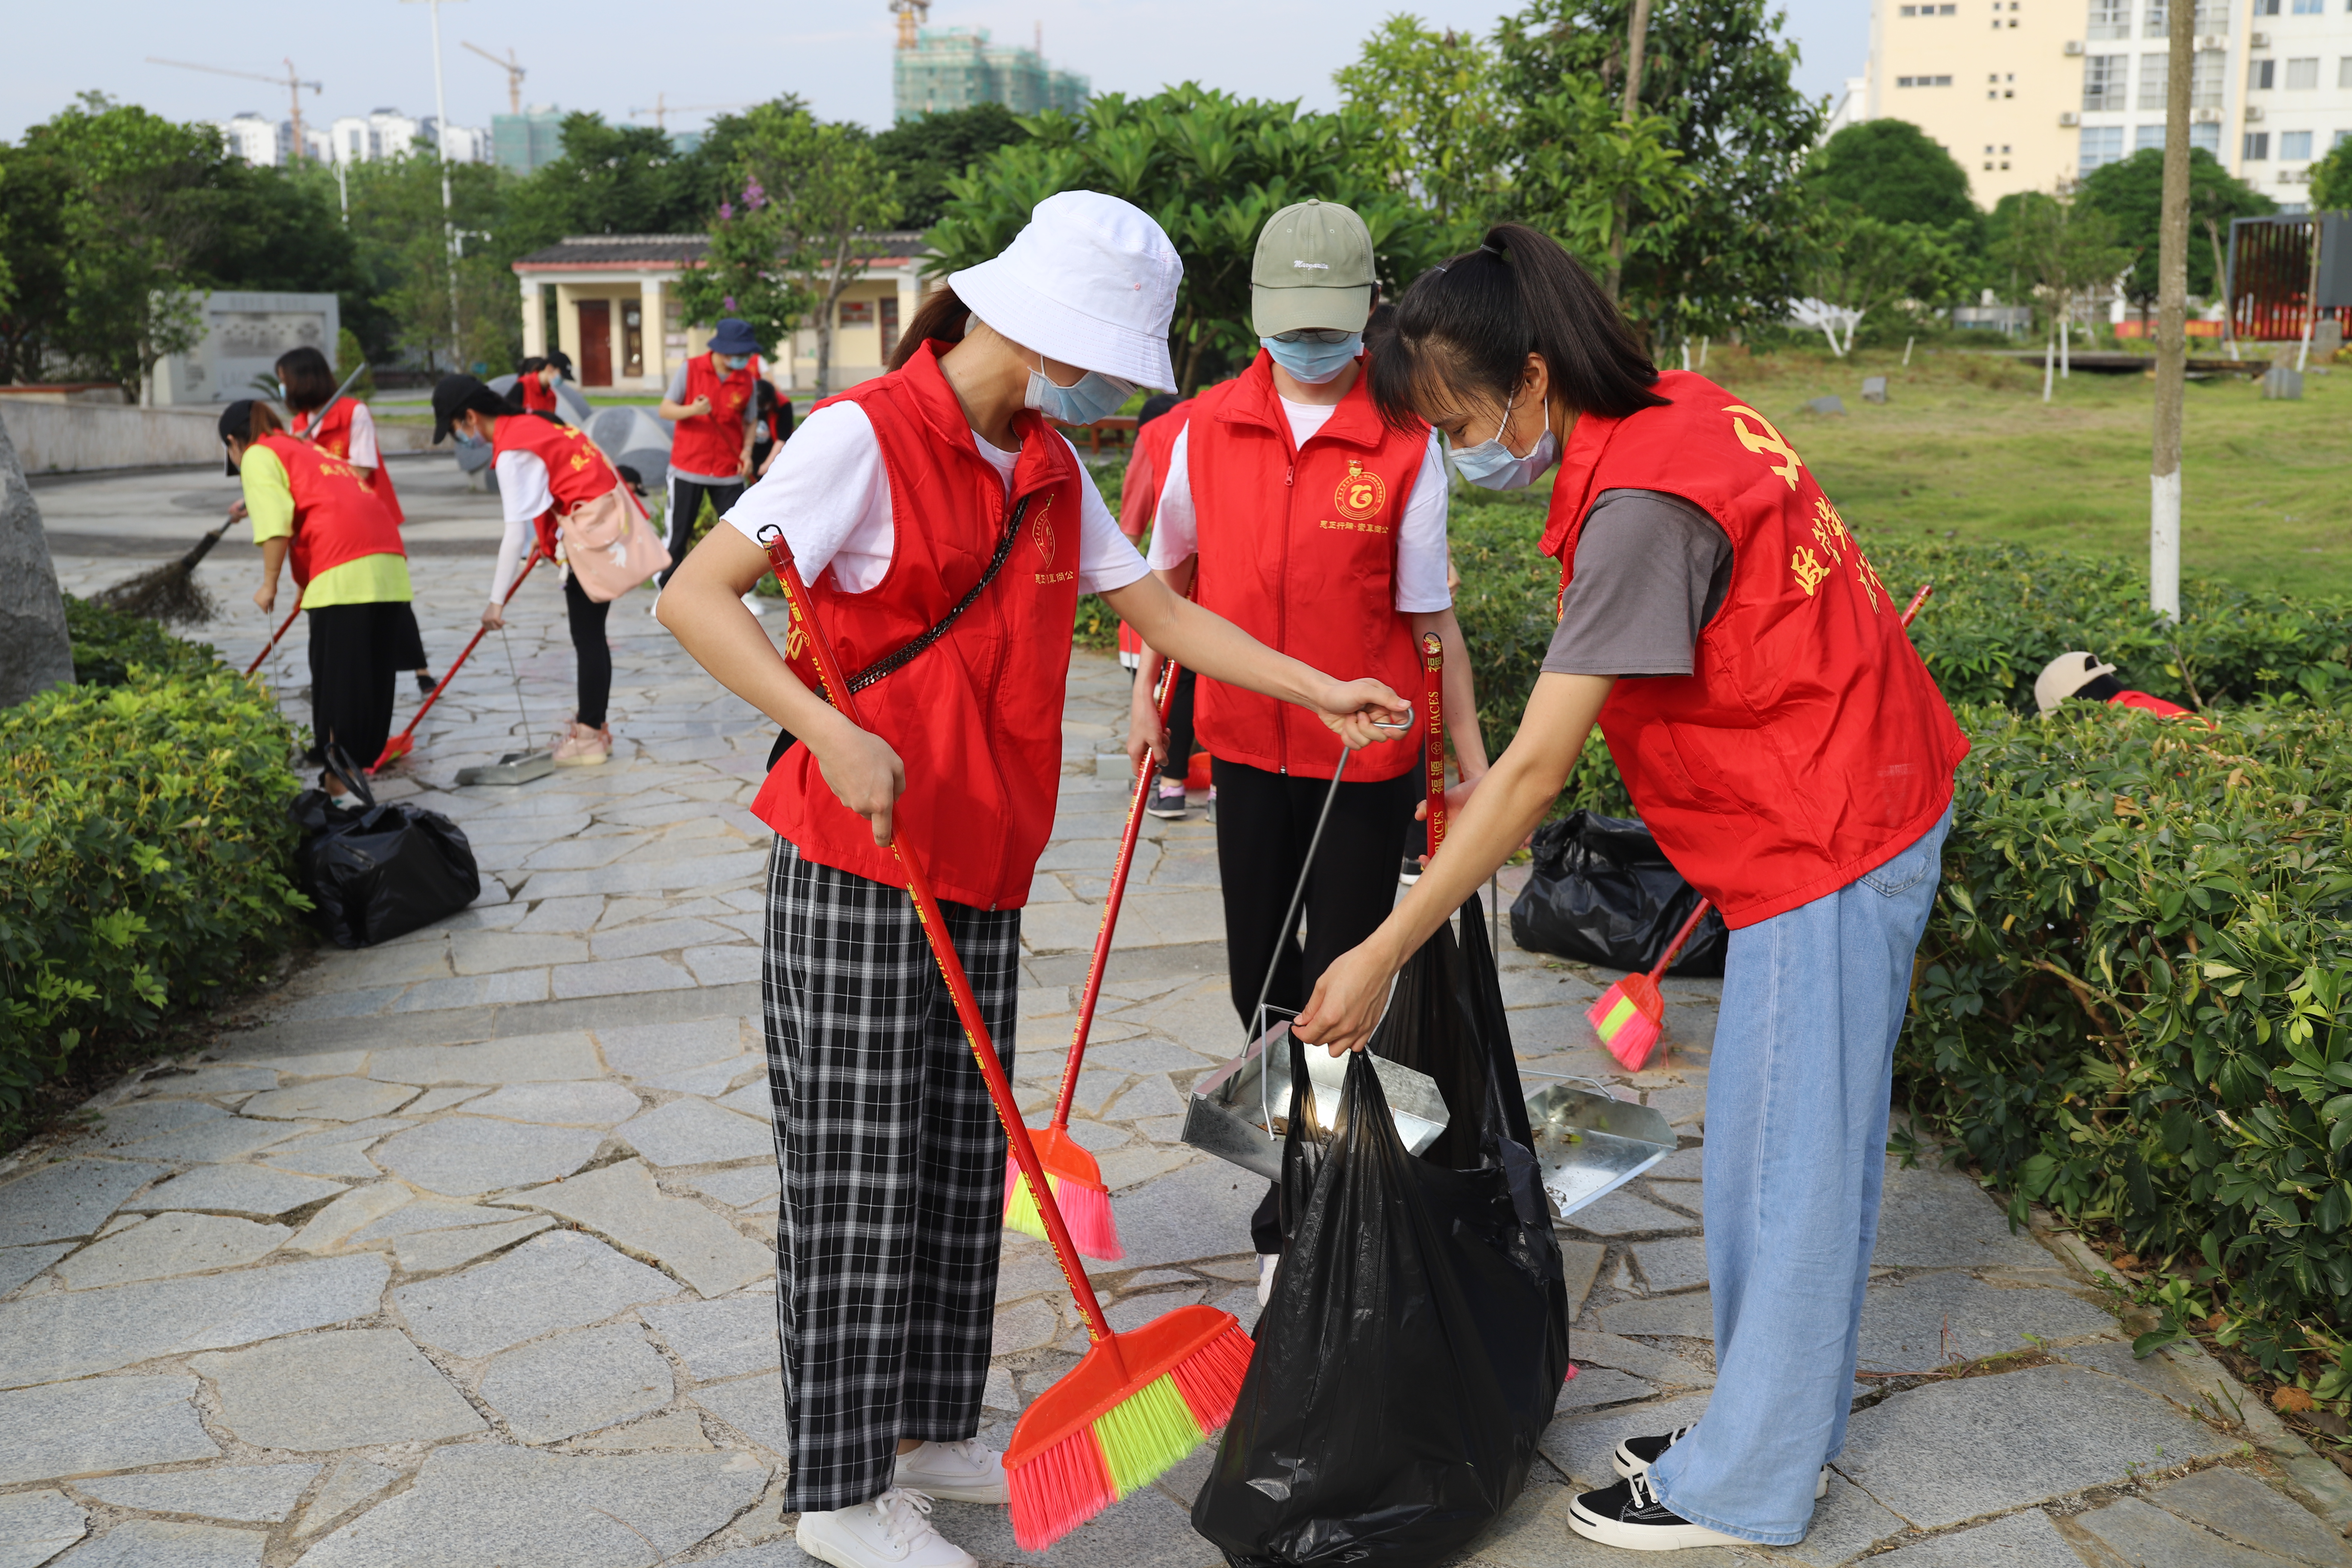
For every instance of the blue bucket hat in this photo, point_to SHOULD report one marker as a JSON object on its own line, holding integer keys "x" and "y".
{"x": 734, "y": 337}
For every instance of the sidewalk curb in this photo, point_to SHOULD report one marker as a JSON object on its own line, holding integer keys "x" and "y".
{"x": 2312, "y": 1479}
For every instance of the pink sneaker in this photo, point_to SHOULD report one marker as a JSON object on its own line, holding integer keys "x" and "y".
{"x": 584, "y": 747}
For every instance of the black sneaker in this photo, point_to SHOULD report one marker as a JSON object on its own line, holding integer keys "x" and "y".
{"x": 1168, "y": 800}
{"x": 1410, "y": 871}
{"x": 1629, "y": 1515}
{"x": 425, "y": 684}
{"x": 1634, "y": 1455}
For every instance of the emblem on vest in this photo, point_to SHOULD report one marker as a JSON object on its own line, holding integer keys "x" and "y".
{"x": 1360, "y": 495}
{"x": 1770, "y": 442}
{"x": 1041, "y": 532}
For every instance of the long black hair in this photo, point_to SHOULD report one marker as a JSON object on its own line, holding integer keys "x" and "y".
{"x": 1470, "y": 323}
{"x": 307, "y": 378}
{"x": 939, "y": 318}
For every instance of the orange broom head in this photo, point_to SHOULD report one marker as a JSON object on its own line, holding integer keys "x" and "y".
{"x": 1076, "y": 1183}
{"x": 396, "y": 748}
{"x": 1124, "y": 1417}
{"x": 1627, "y": 1017}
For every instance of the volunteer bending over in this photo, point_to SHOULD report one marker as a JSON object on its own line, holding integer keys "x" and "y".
{"x": 899, "y": 497}
{"x": 1790, "y": 752}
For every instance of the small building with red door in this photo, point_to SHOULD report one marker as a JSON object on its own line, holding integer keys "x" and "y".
{"x": 609, "y": 302}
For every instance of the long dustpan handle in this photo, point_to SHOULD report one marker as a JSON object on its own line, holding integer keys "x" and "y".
{"x": 1700, "y": 913}
{"x": 391, "y": 747}
{"x": 1167, "y": 701}
{"x": 283, "y": 627}
{"x": 935, "y": 931}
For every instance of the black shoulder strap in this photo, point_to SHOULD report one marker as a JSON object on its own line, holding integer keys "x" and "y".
{"x": 900, "y": 657}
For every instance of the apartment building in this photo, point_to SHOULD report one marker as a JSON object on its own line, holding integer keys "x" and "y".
{"x": 2027, "y": 94}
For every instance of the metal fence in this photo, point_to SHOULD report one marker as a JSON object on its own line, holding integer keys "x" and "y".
{"x": 2275, "y": 272}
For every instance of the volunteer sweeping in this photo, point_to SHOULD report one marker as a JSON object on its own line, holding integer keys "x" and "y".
{"x": 545, "y": 467}
{"x": 899, "y": 498}
{"x": 714, "y": 401}
{"x": 1794, "y": 758}
{"x": 310, "y": 511}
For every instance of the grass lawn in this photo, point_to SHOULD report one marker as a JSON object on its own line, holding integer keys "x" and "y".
{"x": 1967, "y": 445}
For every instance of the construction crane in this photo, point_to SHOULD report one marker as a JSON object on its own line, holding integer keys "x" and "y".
{"x": 662, "y": 106}
{"x": 509, "y": 65}
{"x": 292, "y": 83}
{"x": 911, "y": 15}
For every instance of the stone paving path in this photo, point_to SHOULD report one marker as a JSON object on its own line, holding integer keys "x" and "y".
{"x": 459, "y": 1255}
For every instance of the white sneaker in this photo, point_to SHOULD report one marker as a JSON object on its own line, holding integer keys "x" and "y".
{"x": 654, "y": 609}
{"x": 959, "y": 1472}
{"x": 894, "y": 1530}
{"x": 1267, "y": 1262}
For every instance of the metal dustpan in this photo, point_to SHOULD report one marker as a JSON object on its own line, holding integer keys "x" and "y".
{"x": 1231, "y": 1113}
{"x": 1589, "y": 1143}
{"x": 514, "y": 768}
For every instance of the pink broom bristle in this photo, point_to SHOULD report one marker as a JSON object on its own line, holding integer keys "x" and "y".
{"x": 1624, "y": 1024}
{"x": 1210, "y": 1379}
{"x": 1087, "y": 1211}
{"x": 1058, "y": 1491}
{"x": 1634, "y": 1041}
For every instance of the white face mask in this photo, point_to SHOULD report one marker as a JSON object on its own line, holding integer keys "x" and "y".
{"x": 1491, "y": 466}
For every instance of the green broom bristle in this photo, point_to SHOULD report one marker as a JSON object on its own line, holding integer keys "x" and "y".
{"x": 1146, "y": 1434}
{"x": 1021, "y": 1206}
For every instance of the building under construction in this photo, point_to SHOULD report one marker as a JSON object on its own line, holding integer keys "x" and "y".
{"x": 940, "y": 68}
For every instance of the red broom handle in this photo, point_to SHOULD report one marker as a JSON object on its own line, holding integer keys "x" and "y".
{"x": 1700, "y": 913}
{"x": 1433, "y": 680}
{"x": 393, "y": 747}
{"x": 280, "y": 632}
{"x": 1167, "y": 701}
{"x": 935, "y": 931}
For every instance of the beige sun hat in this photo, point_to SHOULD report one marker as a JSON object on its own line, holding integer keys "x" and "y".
{"x": 1090, "y": 281}
{"x": 2064, "y": 676}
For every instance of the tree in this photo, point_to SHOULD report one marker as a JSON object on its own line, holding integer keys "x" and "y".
{"x": 1210, "y": 168}
{"x": 2062, "y": 249}
{"x": 811, "y": 191}
{"x": 1866, "y": 262}
{"x": 2331, "y": 179}
{"x": 2131, "y": 193}
{"x": 1440, "y": 121}
{"x": 396, "y": 223}
{"x": 928, "y": 150}
{"x": 35, "y": 185}
{"x": 619, "y": 179}
{"x": 1731, "y": 242}
{"x": 1590, "y": 174}
{"x": 1895, "y": 172}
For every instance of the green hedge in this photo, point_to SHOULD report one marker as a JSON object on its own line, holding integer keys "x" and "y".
{"x": 145, "y": 855}
{"x": 106, "y": 645}
{"x": 2131, "y": 1002}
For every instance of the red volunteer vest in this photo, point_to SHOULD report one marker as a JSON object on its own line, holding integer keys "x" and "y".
{"x": 336, "y": 518}
{"x": 2146, "y": 704}
{"x": 1138, "y": 497}
{"x": 1298, "y": 548}
{"x": 1810, "y": 745}
{"x": 713, "y": 444}
{"x": 335, "y": 436}
{"x": 577, "y": 467}
{"x": 538, "y": 397}
{"x": 977, "y": 716}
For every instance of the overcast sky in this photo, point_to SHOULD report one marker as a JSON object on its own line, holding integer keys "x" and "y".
{"x": 612, "y": 57}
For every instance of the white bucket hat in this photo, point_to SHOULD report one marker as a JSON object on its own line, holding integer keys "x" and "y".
{"x": 1091, "y": 281}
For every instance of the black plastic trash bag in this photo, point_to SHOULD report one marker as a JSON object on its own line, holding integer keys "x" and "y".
{"x": 376, "y": 872}
{"x": 1603, "y": 892}
{"x": 1417, "y": 1337}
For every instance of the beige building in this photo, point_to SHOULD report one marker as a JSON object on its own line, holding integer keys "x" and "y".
{"x": 2028, "y": 94}
{"x": 617, "y": 313}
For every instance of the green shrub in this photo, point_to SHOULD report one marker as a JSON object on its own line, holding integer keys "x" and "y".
{"x": 145, "y": 856}
{"x": 2131, "y": 1000}
{"x": 106, "y": 644}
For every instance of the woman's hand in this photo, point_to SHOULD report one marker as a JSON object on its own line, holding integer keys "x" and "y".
{"x": 864, "y": 773}
{"x": 1145, "y": 735}
{"x": 1350, "y": 707}
{"x": 237, "y": 512}
{"x": 265, "y": 597}
{"x": 1348, "y": 999}
{"x": 494, "y": 619}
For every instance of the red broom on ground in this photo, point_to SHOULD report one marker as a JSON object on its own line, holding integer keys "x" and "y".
{"x": 400, "y": 746}
{"x": 1629, "y": 1015}
{"x": 283, "y": 627}
{"x": 1137, "y": 1403}
{"x": 1071, "y": 1170}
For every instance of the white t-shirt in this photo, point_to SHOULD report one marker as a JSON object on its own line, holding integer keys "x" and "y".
{"x": 830, "y": 493}
{"x": 522, "y": 496}
{"x": 1421, "y": 535}
{"x": 363, "y": 453}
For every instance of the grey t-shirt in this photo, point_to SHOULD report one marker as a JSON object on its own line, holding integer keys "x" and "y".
{"x": 676, "y": 394}
{"x": 1652, "y": 569}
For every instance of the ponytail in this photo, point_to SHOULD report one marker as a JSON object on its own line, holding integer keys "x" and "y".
{"x": 262, "y": 421}
{"x": 1470, "y": 323}
{"x": 939, "y": 318}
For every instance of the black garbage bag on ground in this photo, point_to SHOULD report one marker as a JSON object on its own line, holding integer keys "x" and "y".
{"x": 1417, "y": 1337}
{"x": 1603, "y": 892}
{"x": 376, "y": 872}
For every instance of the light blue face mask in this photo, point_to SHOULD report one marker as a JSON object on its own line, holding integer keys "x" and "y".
{"x": 1096, "y": 396}
{"x": 1491, "y": 466}
{"x": 733, "y": 363}
{"x": 1313, "y": 363}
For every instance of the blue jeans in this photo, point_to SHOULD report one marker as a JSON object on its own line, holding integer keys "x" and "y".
{"x": 1796, "y": 1135}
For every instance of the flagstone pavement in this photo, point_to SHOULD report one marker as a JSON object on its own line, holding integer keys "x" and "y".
{"x": 459, "y": 1255}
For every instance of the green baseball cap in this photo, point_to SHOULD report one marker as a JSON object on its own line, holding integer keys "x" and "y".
{"x": 1313, "y": 269}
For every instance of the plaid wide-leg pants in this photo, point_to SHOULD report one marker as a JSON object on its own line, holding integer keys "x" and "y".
{"x": 889, "y": 1228}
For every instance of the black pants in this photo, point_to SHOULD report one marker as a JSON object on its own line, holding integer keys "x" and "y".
{"x": 1179, "y": 729}
{"x": 354, "y": 659}
{"x": 685, "y": 508}
{"x": 594, "y": 653}
{"x": 408, "y": 646}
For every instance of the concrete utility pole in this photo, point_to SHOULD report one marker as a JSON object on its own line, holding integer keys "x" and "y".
{"x": 448, "y": 211}
{"x": 1637, "y": 44}
{"x": 2171, "y": 321}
